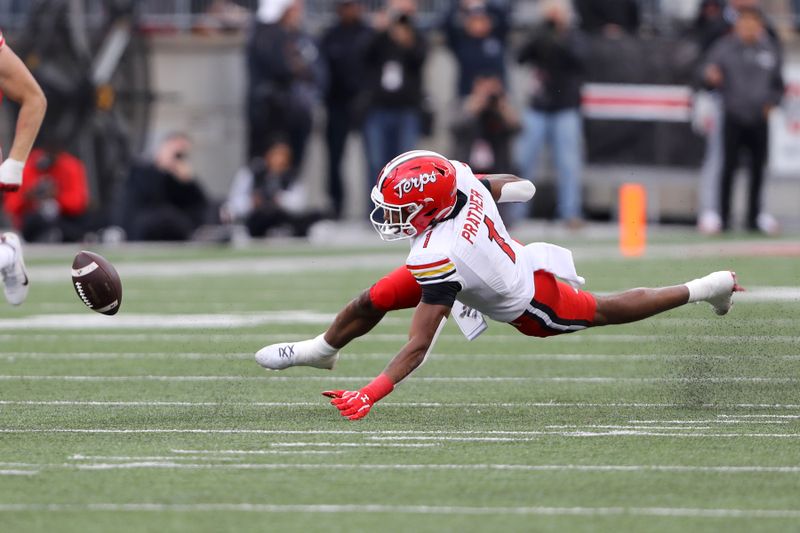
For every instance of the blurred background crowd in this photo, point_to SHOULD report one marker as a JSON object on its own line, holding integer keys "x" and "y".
{"x": 220, "y": 119}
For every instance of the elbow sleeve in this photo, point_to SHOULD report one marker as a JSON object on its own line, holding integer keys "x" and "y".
{"x": 517, "y": 191}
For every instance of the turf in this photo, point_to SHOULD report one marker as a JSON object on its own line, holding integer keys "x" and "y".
{"x": 688, "y": 421}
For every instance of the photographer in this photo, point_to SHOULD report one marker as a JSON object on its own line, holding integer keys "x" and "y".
{"x": 392, "y": 101}
{"x": 51, "y": 204}
{"x": 557, "y": 53}
{"x": 162, "y": 199}
{"x": 264, "y": 195}
{"x": 476, "y": 32}
{"x": 484, "y": 128}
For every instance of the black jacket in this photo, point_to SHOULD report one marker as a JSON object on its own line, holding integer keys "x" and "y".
{"x": 394, "y": 72}
{"x": 148, "y": 189}
{"x": 477, "y": 57}
{"x": 595, "y": 14}
{"x": 342, "y": 48}
{"x": 559, "y": 60}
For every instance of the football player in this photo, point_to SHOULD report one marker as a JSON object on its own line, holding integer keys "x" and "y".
{"x": 461, "y": 251}
{"x": 17, "y": 83}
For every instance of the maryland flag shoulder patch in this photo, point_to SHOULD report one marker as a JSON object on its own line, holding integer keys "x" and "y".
{"x": 432, "y": 272}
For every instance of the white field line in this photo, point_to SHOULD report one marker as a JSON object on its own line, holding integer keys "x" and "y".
{"x": 769, "y": 294}
{"x": 693, "y": 423}
{"x": 349, "y": 445}
{"x": 484, "y": 467}
{"x": 83, "y": 321}
{"x": 69, "y": 322}
{"x": 253, "y": 452}
{"x": 226, "y": 267}
{"x": 761, "y": 416}
{"x": 80, "y": 457}
{"x": 226, "y": 356}
{"x": 589, "y": 434}
{"x": 91, "y": 356}
{"x": 633, "y": 427}
{"x": 199, "y": 456}
{"x": 18, "y": 472}
{"x": 685, "y": 512}
{"x": 733, "y": 321}
{"x": 467, "y": 436}
{"x": 435, "y": 379}
{"x": 390, "y": 403}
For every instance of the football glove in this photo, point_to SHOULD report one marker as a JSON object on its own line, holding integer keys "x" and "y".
{"x": 354, "y": 405}
{"x": 351, "y": 404}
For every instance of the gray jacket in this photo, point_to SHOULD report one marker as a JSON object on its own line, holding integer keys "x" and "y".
{"x": 752, "y": 76}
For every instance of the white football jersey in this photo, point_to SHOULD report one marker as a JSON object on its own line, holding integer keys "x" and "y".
{"x": 474, "y": 249}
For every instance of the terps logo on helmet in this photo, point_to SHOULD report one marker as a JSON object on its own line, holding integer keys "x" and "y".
{"x": 406, "y": 185}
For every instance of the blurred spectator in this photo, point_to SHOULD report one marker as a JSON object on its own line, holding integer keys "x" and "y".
{"x": 746, "y": 68}
{"x": 731, "y": 13}
{"x": 343, "y": 49}
{"x": 284, "y": 76}
{"x": 796, "y": 15}
{"x": 261, "y": 195}
{"x": 557, "y": 52}
{"x": 162, "y": 199}
{"x": 484, "y": 128}
{"x": 709, "y": 25}
{"x": 51, "y": 204}
{"x": 715, "y": 20}
{"x": 393, "y": 98}
{"x": 476, "y": 32}
{"x": 611, "y": 18}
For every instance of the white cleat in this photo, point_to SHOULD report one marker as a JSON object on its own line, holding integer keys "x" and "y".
{"x": 286, "y": 354}
{"x": 722, "y": 285}
{"x": 15, "y": 277}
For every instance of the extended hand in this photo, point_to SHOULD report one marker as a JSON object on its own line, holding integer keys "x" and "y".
{"x": 351, "y": 404}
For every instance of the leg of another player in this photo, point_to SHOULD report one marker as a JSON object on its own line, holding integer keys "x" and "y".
{"x": 12, "y": 269}
{"x": 637, "y": 304}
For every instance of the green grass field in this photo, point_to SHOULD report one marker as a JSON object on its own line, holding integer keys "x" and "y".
{"x": 158, "y": 419}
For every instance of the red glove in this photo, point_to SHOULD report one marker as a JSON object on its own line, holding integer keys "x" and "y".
{"x": 356, "y": 404}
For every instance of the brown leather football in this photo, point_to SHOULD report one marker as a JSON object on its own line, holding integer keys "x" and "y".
{"x": 97, "y": 283}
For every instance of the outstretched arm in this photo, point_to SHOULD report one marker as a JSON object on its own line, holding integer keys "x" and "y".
{"x": 508, "y": 188}
{"x": 425, "y": 326}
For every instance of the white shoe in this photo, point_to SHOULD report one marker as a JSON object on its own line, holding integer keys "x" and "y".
{"x": 722, "y": 285}
{"x": 709, "y": 223}
{"x": 285, "y": 354}
{"x": 15, "y": 277}
{"x": 768, "y": 224}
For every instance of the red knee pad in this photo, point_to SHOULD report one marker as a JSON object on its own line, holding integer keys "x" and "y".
{"x": 397, "y": 290}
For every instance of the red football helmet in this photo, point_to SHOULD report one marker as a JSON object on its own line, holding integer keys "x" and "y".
{"x": 414, "y": 190}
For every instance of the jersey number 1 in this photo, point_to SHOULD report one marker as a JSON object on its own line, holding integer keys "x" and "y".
{"x": 501, "y": 242}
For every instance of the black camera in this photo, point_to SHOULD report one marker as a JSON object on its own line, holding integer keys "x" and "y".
{"x": 401, "y": 18}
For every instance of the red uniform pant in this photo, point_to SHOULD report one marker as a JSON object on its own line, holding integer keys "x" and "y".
{"x": 556, "y": 307}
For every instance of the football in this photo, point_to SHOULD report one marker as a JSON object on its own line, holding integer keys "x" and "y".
{"x": 97, "y": 283}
